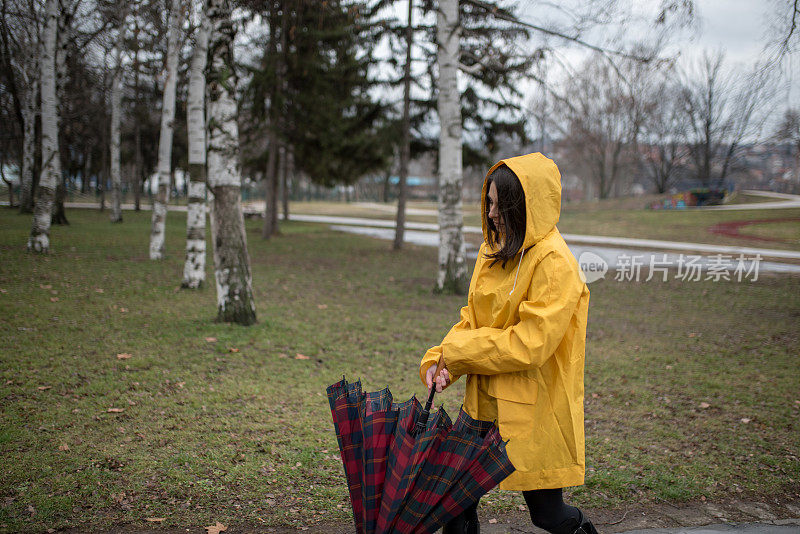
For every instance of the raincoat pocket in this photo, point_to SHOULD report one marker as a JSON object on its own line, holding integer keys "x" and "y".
{"x": 514, "y": 387}
{"x": 516, "y": 404}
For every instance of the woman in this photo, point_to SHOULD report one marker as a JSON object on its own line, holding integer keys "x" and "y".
{"x": 520, "y": 342}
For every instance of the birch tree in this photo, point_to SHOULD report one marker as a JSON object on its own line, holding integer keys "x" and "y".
{"x": 30, "y": 109}
{"x": 116, "y": 96}
{"x": 20, "y": 48}
{"x": 159, "y": 218}
{"x": 39, "y": 240}
{"x": 452, "y": 276}
{"x": 194, "y": 270}
{"x": 235, "y": 301}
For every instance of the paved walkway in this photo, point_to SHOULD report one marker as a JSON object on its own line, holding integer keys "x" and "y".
{"x": 783, "y": 201}
{"x": 786, "y": 201}
{"x": 739, "y": 528}
{"x": 345, "y": 223}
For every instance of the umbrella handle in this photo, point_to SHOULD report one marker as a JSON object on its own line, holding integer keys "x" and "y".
{"x": 422, "y": 420}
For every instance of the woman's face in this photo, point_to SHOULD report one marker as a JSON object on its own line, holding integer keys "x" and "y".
{"x": 494, "y": 212}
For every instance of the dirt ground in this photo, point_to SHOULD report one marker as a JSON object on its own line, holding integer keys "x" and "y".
{"x": 779, "y": 511}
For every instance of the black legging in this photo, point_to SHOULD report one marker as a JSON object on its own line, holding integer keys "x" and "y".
{"x": 546, "y": 506}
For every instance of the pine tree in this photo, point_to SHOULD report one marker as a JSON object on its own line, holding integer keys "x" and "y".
{"x": 311, "y": 93}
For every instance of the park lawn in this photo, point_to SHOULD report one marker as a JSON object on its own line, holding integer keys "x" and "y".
{"x": 692, "y": 388}
{"x": 787, "y": 230}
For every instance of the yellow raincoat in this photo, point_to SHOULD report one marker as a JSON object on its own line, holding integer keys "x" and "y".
{"x": 521, "y": 340}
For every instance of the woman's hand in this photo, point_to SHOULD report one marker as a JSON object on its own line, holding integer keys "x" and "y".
{"x": 442, "y": 380}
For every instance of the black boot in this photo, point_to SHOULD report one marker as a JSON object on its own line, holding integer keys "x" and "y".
{"x": 576, "y": 526}
{"x": 466, "y": 523}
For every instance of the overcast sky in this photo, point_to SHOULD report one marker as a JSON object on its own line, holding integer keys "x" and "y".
{"x": 741, "y": 28}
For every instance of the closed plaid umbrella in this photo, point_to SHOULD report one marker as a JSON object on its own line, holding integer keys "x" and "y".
{"x": 407, "y": 471}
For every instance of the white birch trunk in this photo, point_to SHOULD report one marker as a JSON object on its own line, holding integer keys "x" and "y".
{"x": 194, "y": 269}
{"x": 231, "y": 262}
{"x": 29, "y": 140}
{"x": 116, "y": 96}
{"x": 165, "y": 138}
{"x": 39, "y": 240}
{"x": 452, "y": 276}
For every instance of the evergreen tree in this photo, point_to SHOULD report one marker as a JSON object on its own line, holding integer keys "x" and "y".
{"x": 312, "y": 90}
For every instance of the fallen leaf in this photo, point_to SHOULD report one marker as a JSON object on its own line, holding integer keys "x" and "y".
{"x": 283, "y": 355}
{"x": 123, "y": 356}
{"x": 233, "y": 349}
{"x": 116, "y": 410}
{"x": 322, "y": 306}
{"x": 704, "y": 405}
{"x": 53, "y": 299}
{"x": 43, "y": 388}
{"x": 99, "y": 290}
{"x": 155, "y": 519}
{"x": 493, "y": 521}
{"x": 63, "y": 447}
{"x": 45, "y": 286}
{"x": 595, "y": 395}
{"x": 123, "y": 310}
{"x": 521, "y": 507}
{"x": 180, "y": 384}
{"x": 301, "y": 357}
{"x": 216, "y": 529}
{"x": 211, "y": 339}
{"x": 745, "y": 420}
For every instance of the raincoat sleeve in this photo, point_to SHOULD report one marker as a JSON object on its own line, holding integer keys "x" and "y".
{"x": 544, "y": 316}
{"x": 434, "y": 353}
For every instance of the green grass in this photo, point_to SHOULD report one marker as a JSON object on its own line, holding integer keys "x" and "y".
{"x": 242, "y": 437}
{"x": 786, "y": 230}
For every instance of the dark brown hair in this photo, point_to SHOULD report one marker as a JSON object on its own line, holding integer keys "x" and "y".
{"x": 511, "y": 207}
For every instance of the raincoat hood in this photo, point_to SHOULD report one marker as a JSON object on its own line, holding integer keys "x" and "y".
{"x": 541, "y": 183}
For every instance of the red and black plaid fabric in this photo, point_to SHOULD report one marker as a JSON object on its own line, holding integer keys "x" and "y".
{"x": 346, "y": 401}
{"x": 403, "y": 483}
